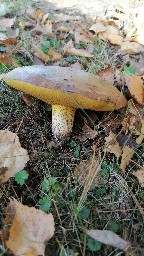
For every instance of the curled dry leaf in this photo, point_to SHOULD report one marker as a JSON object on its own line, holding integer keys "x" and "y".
{"x": 12, "y": 156}
{"x": 40, "y": 54}
{"x": 139, "y": 174}
{"x": 127, "y": 155}
{"x": 109, "y": 238}
{"x": 70, "y": 50}
{"x": 26, "y": 229}
{"x": 136, "y": 89}
{"x": 112, "y": 145}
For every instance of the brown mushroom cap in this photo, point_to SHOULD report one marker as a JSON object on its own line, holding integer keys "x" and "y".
{"x": 66, "y": 86}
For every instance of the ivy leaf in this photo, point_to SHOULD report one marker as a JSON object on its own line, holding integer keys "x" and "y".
{"x": 21, "y": 177}
{"x": 45, "y": 204}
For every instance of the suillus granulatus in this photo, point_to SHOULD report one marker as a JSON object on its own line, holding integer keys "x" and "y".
{"x": 66, "y": 89}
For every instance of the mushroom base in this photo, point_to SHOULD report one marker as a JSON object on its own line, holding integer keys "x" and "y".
{"x": 62, "y": 120}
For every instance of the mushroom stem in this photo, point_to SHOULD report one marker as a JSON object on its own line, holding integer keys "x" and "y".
{"x": 62, "y": 120}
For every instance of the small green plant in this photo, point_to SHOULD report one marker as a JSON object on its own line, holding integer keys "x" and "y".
{"x": 49, "y": 187}
{"x": 129, "y": 70}
{"x": 45, "y": 203}
{"x": 76, "y": 148}
{"x": 50, "y": 43}
{"x": 93, "y": 245}
{"x": 71, "y": 59}
{"x": 84, "y": 213}
{"x": 113, "y": 226}
{"x": 21, "y": 177}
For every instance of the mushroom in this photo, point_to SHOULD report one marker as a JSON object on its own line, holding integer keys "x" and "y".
{"x": 66, "y": 89}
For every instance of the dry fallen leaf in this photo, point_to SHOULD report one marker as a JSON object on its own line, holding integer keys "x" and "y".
{"x": 87, "y": 133}
{"x": 63, "y": 29}
{"x": 12, "y": 33}
{"x": 28, "y": 99}
{"x": 5, "y": 40}
{"x": 98, "y": 27}
{"x": 12, "y": 156}
{"x": 82, "y": 35}
{"x": 109, "y": 238}
{"x": 6, "y": 23}
{"x": 30, "y": 12}
{"x": 112, "y": 145}
{"x": 112, "y": 34}
{"x": 139, "y": 174}
{"x": 128, "y": 47}
{"x": 40, "y": 54}
{"x": 136, "y": 89}
{"x": 107, "y": 74}
{"x": 26, "y": 229}
{"x": 39, "y": 14}
{"x": 70, "y": 50}
{"x": 4, "y": 59}
{"x": 65, "y": 17}
{"x": 126, "y": 157}
{"x": 134, "y": 121}
{"x": 48, "y": 27}
{"x": 76, "y": 65}
{"x": 54, "y": 56}
{"x": 141, "y": 136}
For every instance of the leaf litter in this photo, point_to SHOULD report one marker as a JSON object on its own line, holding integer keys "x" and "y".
{"x": 75, "y": 40}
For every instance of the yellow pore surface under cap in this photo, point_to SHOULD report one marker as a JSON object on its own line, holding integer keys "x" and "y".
{"x": 69, "y": 99}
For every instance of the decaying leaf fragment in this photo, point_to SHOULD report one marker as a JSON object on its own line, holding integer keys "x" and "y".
{"x": 26, "y": 229}
{"x": 108, "y": 237}
{"x": 12, "y": 156}
{"x": 134, "y": 121}
{"x": 139, "y": 174}
{"x": 141, "y": 136}
{"x": 126, "y": 157}
{"x": 112, "y": 145}
{"x": 87, "y": 170}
